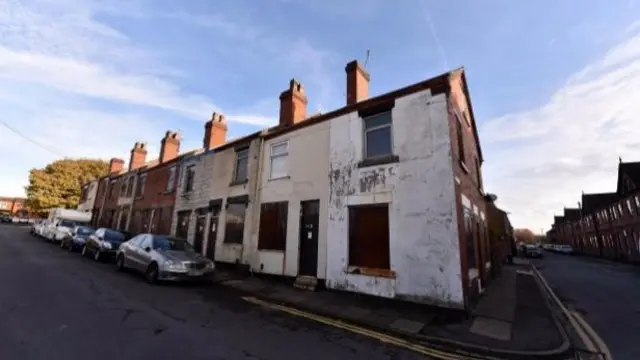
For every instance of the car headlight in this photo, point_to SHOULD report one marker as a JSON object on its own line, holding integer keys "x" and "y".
{"x": 106, "y": 245}
{"x": 209, "y": 265}
{"x": 174, "y": 265}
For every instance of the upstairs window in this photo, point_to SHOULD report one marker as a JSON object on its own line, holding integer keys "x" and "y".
{"x": 189, "y": 175}
{"x": 377, "y": 135}
{"x": 242, "y": 162}
{"x": 130, "y": 186}
{"x": 142, "y": 180}
{"x": 112, "y": 185}
{"x": 279, "y": 160}
{"x": 171, "y": 179}
{"x": 123, "y": 187}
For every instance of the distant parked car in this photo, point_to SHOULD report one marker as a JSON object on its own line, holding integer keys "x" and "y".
{"x": 103, "y": 243}
{"x": 532, "y": 251}
{"x": 163, "y": 258}
{"x": 77, "y": 238}
{"x": 565, "y": 249}
{"x": 5, "y": 219}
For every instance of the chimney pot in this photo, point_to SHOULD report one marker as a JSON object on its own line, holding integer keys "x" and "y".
{"x": 215, "y": 131}
{"x": 357, "y": 82}
{"x": 138, "y": 156}
{"x": 293, "y": 104}
{"x": 169, "y": 146}
{"x": 115, "y": 165}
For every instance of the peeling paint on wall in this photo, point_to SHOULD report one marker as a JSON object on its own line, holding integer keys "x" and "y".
{"x": 419, "y": 190}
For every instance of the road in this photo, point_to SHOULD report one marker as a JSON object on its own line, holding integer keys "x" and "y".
{"x": 56, "y": 305}
{"x": 607, "y": 295}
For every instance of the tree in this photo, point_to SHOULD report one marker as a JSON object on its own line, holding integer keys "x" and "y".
{"x": 524, "y": 235}
{"x": 58, "y": 184}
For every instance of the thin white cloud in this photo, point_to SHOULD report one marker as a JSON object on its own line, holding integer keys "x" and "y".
{"x": 56, "y": 59}
{"x": 540, "y": 160}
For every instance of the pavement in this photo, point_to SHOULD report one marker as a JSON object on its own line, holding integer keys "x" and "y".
{"x": 56, "y": 305}
{"x": 512, "y": 319}
{"x": 606, "y": 295}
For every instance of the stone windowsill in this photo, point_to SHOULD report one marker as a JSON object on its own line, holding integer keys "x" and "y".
{"x": 379, "y": 160}
{"x": 239, "y": 182}
{"x": 365, "y": 271}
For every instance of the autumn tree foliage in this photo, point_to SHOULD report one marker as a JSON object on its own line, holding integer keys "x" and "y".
{"x": 525, "y": 235}
{"x": 58, "y": 184}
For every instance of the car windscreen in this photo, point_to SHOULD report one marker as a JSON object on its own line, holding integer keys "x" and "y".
{"x": 168, "y": 243}
{"x": 67, "y": 223}
{"x": 112, "y": 235}
{"x": 85, "y": 231}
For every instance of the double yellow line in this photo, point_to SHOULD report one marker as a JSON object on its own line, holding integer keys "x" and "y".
{"x": 427, "y": 351}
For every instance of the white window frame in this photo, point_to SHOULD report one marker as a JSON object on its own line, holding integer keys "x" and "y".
{"x": 273, "y": 156}
{"x": 365, "y": 131}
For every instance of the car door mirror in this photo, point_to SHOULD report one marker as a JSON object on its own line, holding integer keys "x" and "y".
{"x": 147, "y": 249}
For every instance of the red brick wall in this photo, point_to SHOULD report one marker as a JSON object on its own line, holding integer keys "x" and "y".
{"x": 156, "y": 197}
{"x": 467, "y": 183}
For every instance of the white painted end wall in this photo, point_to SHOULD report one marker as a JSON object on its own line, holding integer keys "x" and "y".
{"x": 423, "y": 239}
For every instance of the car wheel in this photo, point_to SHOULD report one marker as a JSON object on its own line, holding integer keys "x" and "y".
{"x": 84, "y": 251}
{"x": 120, "y": 263}
{"x": 70, "y": 248}
{"x": 96, "y": 255}
{"x": 152, "y": 273}
{"x": 61, "y": 244}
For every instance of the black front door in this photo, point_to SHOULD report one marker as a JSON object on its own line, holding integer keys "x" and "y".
{"x": 213, "y": 234}
{"x": 201, "y": 221}
{"x": 309, "y": 218}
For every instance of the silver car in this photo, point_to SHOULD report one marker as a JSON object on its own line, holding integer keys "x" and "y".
{"x": 161, "y": 257}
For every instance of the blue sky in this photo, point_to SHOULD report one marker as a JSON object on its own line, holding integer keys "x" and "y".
{"x": 554, "y": 84}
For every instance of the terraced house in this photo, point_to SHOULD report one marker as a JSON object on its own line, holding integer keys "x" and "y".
{"x": 608, "y": 224}
{"x": 382, "y": 196}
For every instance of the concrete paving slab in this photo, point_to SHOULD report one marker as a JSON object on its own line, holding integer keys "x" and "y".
{"x": 407, "y": 326}
{"x": 492, "y": 328}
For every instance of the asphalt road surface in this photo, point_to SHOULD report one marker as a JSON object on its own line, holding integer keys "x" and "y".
{"x": 56, "y": 305}
{"x": 607, "y": 295}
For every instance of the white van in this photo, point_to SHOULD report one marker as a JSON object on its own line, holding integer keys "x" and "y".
{"x": 61, "y": 221}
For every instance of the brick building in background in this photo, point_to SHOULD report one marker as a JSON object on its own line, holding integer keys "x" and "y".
{"x": 13, "y": 206}
{"x": 607, "y": 224}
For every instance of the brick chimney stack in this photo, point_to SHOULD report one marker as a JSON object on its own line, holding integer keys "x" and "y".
{"x": 357, "y": 83}
{"x": 293, "y": 104}
{"x": 138, "y": 155}
{"x": 215, "y": 131}
{"x": 169, "y": 146}
{"x": 115, "y": 165}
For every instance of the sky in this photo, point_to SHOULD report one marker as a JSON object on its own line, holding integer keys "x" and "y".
{"x": 555, "y": 84}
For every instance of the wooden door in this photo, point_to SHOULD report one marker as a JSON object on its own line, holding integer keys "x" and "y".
{"x": 309, "y": 219}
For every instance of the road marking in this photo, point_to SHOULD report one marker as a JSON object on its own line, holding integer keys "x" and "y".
{"x": 602, "y": 347}
{"x": 573, "y": 320}
{"x": 435, "y": 353}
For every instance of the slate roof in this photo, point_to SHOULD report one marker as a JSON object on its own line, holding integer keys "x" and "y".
{"x": 595, "y": 202}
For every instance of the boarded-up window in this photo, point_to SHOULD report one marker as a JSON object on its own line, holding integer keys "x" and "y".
{"x": 369, "y": 236}
{"x": 182, "y": 228}
{"x": 273, "y": 226}
{"x": 234, "y": 226}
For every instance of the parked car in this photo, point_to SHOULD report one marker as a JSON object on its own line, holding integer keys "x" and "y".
{"x": 532, "y": 251}
{"x": 163, "y": 258}
{"x": 103, "y": 243}
{"x": 565, "y": 249}
{"x": 5, "y": 219}
{"x": 77, "y": 238}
